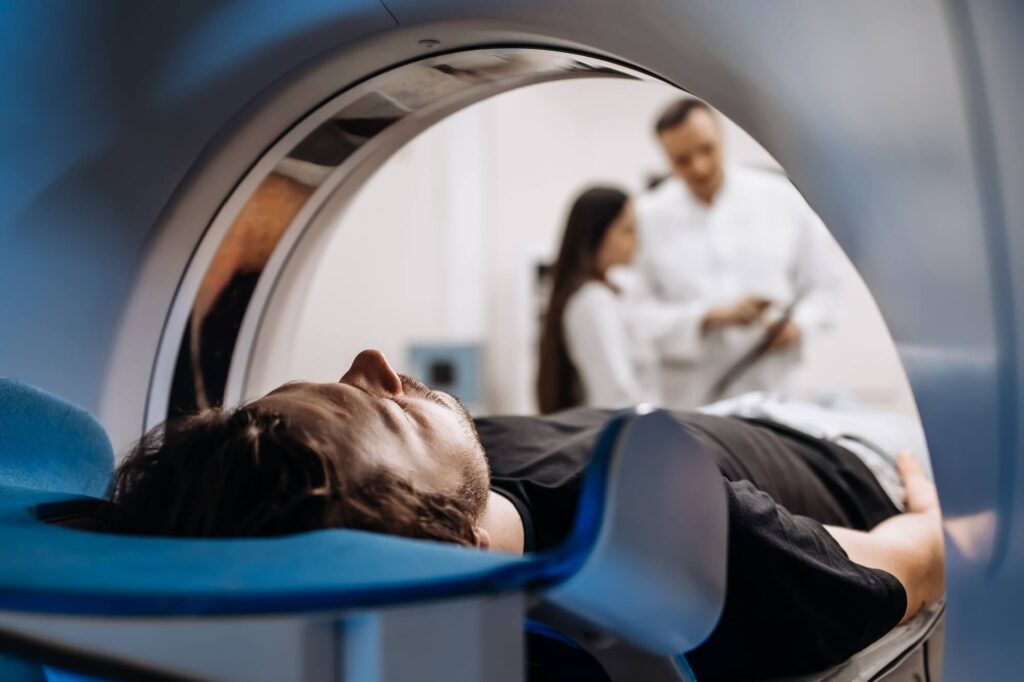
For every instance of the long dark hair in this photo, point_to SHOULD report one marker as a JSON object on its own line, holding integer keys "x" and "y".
{"x": 593, "y": 212}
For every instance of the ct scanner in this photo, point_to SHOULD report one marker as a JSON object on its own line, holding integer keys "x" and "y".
{"x": 135, "y": 135}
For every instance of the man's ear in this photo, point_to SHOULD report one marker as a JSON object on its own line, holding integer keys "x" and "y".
{"x": 483, "y": 538}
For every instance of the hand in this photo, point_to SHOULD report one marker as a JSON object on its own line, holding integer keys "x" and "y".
{"x": 787, "y": 337}
{"x": 922, "y": 500}
{"x": 741, "y": 313}
{"x": 921, "y": 494}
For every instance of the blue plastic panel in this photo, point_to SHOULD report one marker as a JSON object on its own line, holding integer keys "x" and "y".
{"x": 49, "y": 444}
{"x": 60, "y": 570}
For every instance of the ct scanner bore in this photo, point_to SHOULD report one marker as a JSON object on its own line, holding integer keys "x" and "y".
{"x": 209, "y": 337}
{"x": 129, "y": 129}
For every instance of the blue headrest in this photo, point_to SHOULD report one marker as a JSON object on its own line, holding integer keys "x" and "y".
{"x": 60, "y": 570}
{"x": 49, "y": 444}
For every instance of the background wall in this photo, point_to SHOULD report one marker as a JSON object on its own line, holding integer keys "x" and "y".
{"x": 442, "y": 243}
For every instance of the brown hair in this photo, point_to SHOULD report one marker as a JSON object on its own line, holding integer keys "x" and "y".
{"x": 593, "y": 212}
{"x": 247, "y": 472}
{"x": 677, "y": 112}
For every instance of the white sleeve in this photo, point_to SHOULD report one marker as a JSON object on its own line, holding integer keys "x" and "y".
{"x": 676, "y": 327}
{"x": 816, "y": 277}
{"x": 598, "y": 345}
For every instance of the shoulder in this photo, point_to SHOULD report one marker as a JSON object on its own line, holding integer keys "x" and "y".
{"x": 592, "y": 300}
{"x": 590, "y": 295}
{"x": 767, "y": 185}
{"x": 762, "y": 180}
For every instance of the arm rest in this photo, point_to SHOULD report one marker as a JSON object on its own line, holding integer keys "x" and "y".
{"x": 656, "y": 574}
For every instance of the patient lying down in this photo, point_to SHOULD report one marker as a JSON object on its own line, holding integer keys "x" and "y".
{"x": 821, "y": 559}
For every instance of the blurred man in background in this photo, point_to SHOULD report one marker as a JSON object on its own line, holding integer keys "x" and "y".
{"x": 739, "y": 258}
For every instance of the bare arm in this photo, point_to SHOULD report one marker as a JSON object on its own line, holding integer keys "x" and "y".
{"x": 909, "y": 546}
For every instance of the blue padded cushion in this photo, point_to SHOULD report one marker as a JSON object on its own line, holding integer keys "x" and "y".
{"x": 49, "y": 444}
{"x": 66, "y": 571}
{"x": 16, "y": 670}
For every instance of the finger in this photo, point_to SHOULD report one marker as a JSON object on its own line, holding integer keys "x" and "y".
{"x": 907, "y": 463}
{"x": 757, "y": 303}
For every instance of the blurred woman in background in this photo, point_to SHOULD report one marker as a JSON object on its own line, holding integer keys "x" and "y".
{"x": 590, "y": 353}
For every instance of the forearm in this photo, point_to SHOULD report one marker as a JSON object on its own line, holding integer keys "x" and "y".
{"x": 818, "y": 311}
{"x": 714, "y": 319}
{"x": 908, "y": 546}
{"x": 674, "y": 327}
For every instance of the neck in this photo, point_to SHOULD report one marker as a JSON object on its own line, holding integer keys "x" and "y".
{"x": 503, "y": 524}
{"x": 707, "y": 197}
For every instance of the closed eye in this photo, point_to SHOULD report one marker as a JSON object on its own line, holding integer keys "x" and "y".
{"x": 432, "y": 395}
{"x": 404, "y": 406}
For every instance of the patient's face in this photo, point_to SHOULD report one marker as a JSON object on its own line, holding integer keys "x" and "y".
{"x": 386, "y": 419}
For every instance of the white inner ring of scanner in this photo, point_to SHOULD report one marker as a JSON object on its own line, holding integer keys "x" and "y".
{"x": 337, "y": 189}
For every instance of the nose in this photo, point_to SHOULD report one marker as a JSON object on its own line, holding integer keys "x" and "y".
{"x": 370, "y": 371}
{"x": 702, "y": 168}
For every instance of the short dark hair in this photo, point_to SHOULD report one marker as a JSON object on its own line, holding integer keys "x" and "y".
{"x": 248, "y": 472}
{"x": 677, "y": 112}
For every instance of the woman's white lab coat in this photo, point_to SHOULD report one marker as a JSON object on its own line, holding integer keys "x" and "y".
{"x": 617, "y": 365}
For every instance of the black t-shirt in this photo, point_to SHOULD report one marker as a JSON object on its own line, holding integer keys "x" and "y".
{"x": 795, "y": 603}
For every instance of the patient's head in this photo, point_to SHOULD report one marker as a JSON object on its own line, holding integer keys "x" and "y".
{"x": 376, "y": 451}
